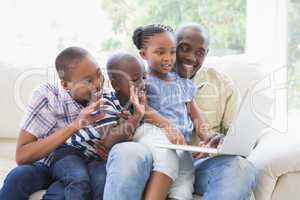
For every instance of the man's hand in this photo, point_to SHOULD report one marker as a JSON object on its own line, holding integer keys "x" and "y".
{"x": 214, "y": 140}
{"x": 85, "y": 118}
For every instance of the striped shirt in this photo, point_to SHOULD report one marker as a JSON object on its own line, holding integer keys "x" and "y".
{"x": 51, "y": 108}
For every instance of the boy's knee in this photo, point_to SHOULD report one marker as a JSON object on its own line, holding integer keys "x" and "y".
{"x": 243, "y": 173}
{"x": 71, "y": 169}
{"x": 23, "y": 174}
{"x": 77, "y": 175}
{"x": 23, "y": 180}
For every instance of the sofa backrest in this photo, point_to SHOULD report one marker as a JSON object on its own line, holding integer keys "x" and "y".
{"x": 267, "y": 86}
{"x": 17, "y": 85}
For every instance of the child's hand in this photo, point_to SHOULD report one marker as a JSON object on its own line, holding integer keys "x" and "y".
{"x": 101, "y": 150}
{"x": 85, "y": 117}
{"x": 96, "y": 96}
{"x": 138, "y": 99}
{"x": 124, "y": 114}
{"x": 174, "y": 135}
{"x": 200, "y": 155}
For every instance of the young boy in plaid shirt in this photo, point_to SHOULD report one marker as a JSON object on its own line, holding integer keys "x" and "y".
{"x": 59, "y": 119}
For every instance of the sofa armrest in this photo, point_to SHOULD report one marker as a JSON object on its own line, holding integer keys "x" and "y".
{"x": 275, "y": 155}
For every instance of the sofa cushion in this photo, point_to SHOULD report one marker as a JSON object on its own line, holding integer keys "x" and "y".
{"x": 5, "y": 166}
{"x": 275, "y": 155}
{"x": 37, "y": 195}
{"x": 287, "y": 187}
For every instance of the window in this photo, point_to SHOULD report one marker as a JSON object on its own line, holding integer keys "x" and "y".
{"x": 225, "y": 20}
{"x": 33, "y": 32}
{"x": 294, "y": 54}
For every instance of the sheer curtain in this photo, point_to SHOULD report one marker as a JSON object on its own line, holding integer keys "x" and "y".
{"x": 266, "y": 43}
{"x": 267, "y": 31}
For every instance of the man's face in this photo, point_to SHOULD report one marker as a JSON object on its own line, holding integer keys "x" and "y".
{"x": 191, "y": 52}
{"x": 86, "y": 79}
{"x": 133, "y": 74}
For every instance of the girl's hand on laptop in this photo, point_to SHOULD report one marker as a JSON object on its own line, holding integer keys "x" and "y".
{"x": 200, "y": 155}
{"x": 215, "y": 140}
{"x": 174, "y": 135}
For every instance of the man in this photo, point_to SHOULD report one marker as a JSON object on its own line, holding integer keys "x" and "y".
{"x": 220, "y": 177}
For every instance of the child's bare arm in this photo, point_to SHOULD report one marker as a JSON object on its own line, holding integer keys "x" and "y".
{"x": 153, "y": 117}
{"x": 30, "y": 149}
{"x": 173, "y": 134}
{"x": 198, "y": 119}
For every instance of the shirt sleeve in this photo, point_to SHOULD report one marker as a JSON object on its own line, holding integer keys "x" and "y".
{"x": 39, "y": 118}
{"x": 111, "y": 115}
{"x": 90, "y": 132}
{"x": 231, "y": 105}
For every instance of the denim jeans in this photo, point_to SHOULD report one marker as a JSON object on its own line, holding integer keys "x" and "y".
{"x": 128, "y": 168}
{"x": 224, "y": 178}
{"x": 24, "y": 180}
{"x": 82, "y": 177}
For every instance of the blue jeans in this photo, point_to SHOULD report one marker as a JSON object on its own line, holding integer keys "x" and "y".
{"x": 24, "y": 180}
{"x": 128, "y": 168}
{"x": 81, "y": 177}
{"x": 224, "y": 178}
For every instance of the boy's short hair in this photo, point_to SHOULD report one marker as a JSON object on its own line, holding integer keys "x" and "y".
{"x": 66, "y": 58}
{"x": 115, "y": 63}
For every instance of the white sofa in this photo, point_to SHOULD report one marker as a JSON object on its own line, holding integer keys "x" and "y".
{"x": 277, "y": 156}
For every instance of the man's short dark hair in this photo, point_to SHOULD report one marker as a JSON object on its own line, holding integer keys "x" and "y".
{"x": 195, "y": 26}
{"x": 68, "y": 57}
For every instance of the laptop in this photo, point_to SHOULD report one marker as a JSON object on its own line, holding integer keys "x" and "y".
{"x": 241, "y": 136}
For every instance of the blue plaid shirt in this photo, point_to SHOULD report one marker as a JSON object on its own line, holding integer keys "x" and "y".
{"x": 51, "y": 108}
